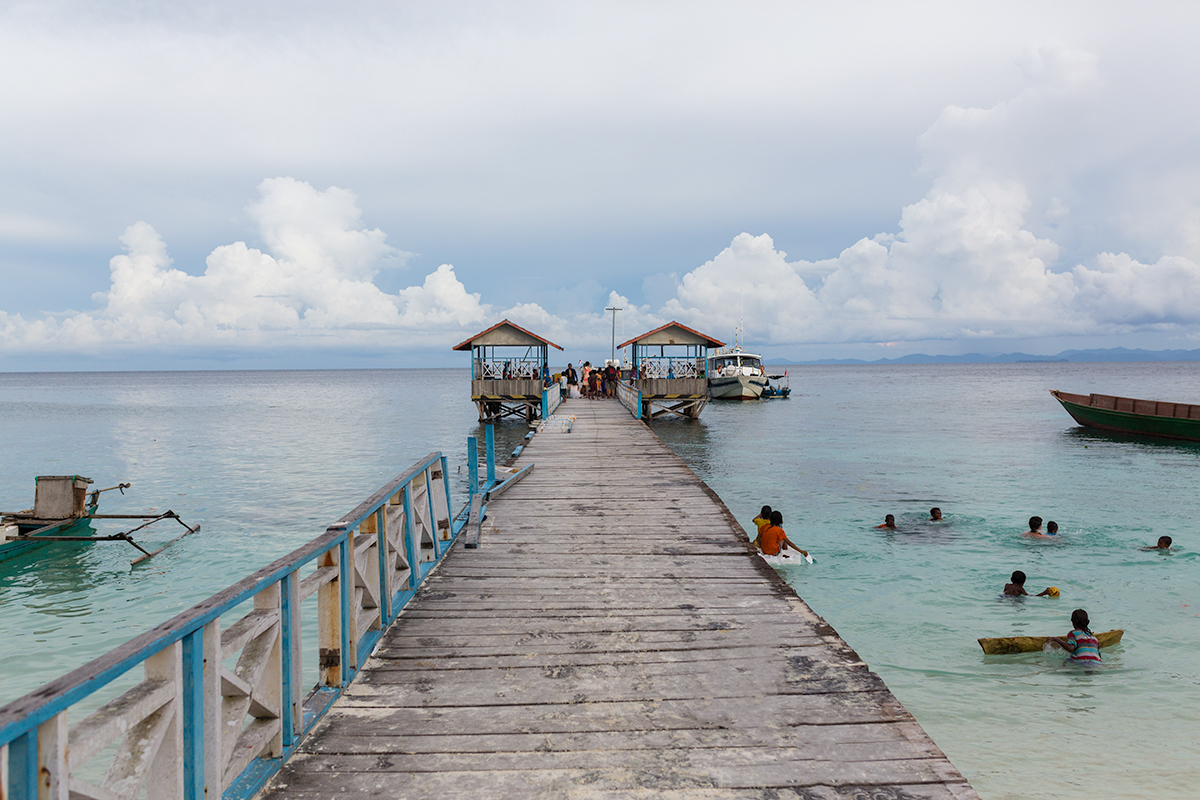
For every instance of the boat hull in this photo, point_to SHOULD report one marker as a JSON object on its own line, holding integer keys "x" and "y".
{"x": 1129, "y": 415}
{"x": 12, "y": 548}
{"x": 736, "y": 387}
{"x": 1032, "y": 644}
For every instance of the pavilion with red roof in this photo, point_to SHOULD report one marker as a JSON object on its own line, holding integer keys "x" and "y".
{"x": 510, "y": 370}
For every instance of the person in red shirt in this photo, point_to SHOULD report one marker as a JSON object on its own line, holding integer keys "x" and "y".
{"x": 773, "y": 541}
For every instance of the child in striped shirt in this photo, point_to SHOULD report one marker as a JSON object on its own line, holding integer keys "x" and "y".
{"x": 1081, "y": 643}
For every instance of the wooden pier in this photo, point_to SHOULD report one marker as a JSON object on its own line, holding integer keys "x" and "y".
{"x": 613, "y": 636}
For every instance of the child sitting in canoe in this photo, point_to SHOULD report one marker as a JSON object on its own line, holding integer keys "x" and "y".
{"x": 773, "y": 541}
{"x": 761, "y": 521}
{"x": 1081, "y": 643}
{"x": 1017, "y": 587}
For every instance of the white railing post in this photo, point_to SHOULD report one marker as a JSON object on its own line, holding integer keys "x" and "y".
{"x": 53, "y": 778}
{"x": 164, "y": 778}
{"x": 214, "y": 765}
{"x": 329, "y": 625}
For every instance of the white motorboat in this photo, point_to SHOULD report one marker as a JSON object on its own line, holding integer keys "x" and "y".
{"x": 735, "y": 375}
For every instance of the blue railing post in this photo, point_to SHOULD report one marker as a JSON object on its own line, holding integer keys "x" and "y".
{"x": 433, "y": 529}
{"x": 472, "y": 468}
{"x": 411, "y": 548}
{"x": 446, "y": 489}
{"x": 22, "y": 767}
{"x": 385, "y": 597}
{"x": 491, "y": 456}
{"x": 192, "y": 654}
{"x": 545, "y": 403}
{"x": 287, "y": 711}
{"x": 344, "y": 575}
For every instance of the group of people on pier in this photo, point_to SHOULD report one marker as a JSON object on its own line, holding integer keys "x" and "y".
{"x": 592, "y": 383}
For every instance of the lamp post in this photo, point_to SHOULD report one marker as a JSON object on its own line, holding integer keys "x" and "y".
{"x": 614, "y": 309}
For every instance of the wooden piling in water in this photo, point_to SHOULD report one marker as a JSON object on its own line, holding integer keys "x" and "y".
{"x": 614, "y": 635}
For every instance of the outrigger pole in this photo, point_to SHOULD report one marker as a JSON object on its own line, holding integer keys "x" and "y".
{"x": 124, "y": 536}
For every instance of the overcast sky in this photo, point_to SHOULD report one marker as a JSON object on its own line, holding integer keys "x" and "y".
{"x": 365, "y": 184}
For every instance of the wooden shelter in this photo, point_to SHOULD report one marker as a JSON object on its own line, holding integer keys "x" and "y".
{"x": 510, "y": 368}
{"x": 668, "y": 370}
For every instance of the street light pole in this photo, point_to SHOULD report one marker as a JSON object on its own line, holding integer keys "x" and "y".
{"x": 614, "y": 309}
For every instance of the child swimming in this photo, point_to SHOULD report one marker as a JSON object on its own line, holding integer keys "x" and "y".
{"x": 1017, "y": 587}
{"x": 889, "y": 522}
{"x": 1081, "y": 643}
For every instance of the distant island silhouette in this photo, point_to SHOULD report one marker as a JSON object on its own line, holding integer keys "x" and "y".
{"x": 1109, "y": 354}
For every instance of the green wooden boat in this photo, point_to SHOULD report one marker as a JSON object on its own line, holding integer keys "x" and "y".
{"x": 1128, "y": 415}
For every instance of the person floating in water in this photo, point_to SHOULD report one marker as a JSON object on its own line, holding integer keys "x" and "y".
{"x": 761, "y": 521}
{"x": 1081, "y": 643}
{"x": 1017, "y": 587}
{"x": 935, "y": 514}
{"x": 1035, "y": 527}
{"x": 889, "y": 522}
{"x": 1164, "y": 543}
{"x": 1052, "y": 528}
{"x": 773, "y": 541}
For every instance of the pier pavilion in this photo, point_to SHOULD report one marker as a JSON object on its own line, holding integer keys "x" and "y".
{"x": 509, "y": 370}
{"x": 668, "y": 371}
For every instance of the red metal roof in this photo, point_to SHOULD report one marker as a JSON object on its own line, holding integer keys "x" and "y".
{"x": 467, "y": 344}
{"x": 713, "y": 342}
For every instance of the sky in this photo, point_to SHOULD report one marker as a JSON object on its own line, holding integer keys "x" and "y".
{"x": 363, "y": 184}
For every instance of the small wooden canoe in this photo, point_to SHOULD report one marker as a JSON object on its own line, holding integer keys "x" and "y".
{"x": 1032, "y": 644}
{"x": 1129, "y": 415}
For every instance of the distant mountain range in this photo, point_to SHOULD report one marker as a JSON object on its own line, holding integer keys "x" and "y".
{"x": 1110, "y": 354}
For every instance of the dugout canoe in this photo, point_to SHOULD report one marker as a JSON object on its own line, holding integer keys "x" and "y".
{"x": 1032, "y": 644}
{"x": 1129, "y": 415}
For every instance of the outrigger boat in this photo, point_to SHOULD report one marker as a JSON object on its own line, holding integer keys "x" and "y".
{"x": 778, "y": 389}
{"x": 1031, "y": 644}
{"x": 1129, "y": 415}
{"x": 63, "y": 510}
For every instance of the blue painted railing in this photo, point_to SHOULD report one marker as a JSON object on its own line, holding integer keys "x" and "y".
{"x": 551, "y": 399}
{"x": 193, "y": 728}
{"x": 630, "y": 397}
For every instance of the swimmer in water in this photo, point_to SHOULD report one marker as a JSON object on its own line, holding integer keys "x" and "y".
{"x": 1017, "y": 587}
{"x": 1035, "y": 527}
{"x": 1164, "y": 543}
{"x": 889, "y": 522}
{"x": 1052, "y": 528}
{"x": 935, "y": 514}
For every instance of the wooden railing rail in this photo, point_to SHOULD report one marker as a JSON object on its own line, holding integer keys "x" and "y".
{"x": 219, "y": 708}
{"x": 630, "y": 397}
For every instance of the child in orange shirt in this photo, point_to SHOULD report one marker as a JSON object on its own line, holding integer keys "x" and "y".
{"x": 773, "y": 541}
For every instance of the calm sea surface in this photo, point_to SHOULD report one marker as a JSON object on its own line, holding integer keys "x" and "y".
{"x": 264, "y": 460}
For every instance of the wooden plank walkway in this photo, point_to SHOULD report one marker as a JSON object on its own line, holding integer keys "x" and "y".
{"x": 614, "y": 637}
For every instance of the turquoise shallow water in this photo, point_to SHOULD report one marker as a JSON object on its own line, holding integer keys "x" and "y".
{"x": 266, "y": 459}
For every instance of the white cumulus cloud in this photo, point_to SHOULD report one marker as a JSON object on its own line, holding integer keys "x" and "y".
{"x": 313, "y": 284}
